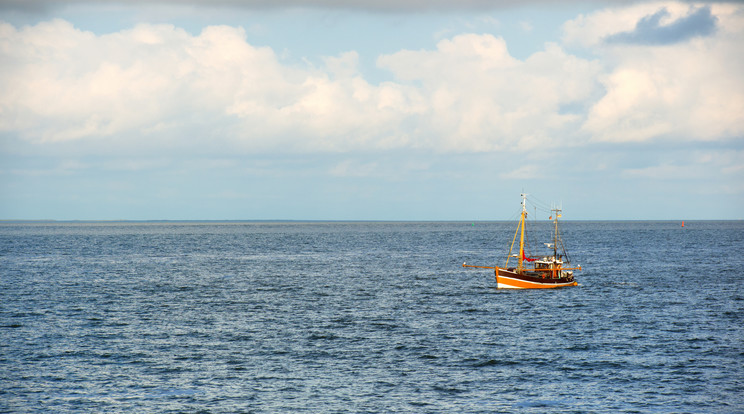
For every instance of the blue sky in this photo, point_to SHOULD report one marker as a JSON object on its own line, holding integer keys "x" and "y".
{"x": 378, "y": 110}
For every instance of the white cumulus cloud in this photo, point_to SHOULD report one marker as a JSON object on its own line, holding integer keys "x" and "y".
{"x": 60, "y": 84}
{"x": 691, "y": 89}
{"x": 63, "y": 84}
{"x": 160, "y": 85}
{"x": 481, "y": 98}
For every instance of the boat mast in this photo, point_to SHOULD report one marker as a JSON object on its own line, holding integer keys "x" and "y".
{"x": 556, "y": 213}
{"x": 520, "y": 266}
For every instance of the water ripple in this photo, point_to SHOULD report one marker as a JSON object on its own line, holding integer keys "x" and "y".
{"x": 370, "y": 317}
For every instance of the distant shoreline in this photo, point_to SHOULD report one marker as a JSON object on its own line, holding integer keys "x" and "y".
{"x": 300, "y": 221}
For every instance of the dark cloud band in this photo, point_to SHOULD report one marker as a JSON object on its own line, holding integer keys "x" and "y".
{"x": 650, "y": 31}
{"x": 359, "y": 5}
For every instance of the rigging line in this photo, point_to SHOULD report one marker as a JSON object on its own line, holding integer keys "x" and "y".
{"x": 541, "y": 209}
{"x": 529, "y": 235}
{"x": 511, "y": 220}
{"x": 541, "y": 204}
{"x": 494, "y": 235}
{"x": 538, "y": 200}
{"x": 517, "y": 213}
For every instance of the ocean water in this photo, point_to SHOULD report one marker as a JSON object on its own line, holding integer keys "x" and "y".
{"x": 366, "y": 317}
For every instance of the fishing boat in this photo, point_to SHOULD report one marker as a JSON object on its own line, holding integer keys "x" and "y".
{"x": 540, "y": 272}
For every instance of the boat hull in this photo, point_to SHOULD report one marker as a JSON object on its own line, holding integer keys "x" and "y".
{"x": 506, "y": 279}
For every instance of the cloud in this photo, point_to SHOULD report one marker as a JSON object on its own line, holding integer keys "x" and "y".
{"x": 525, "y": 172}
{"x": 662, "y": 172}
{"x": 158, "y": 87}
{"x": 649, "y": 23}
{"x": 373, "y": 5}
{"x": 709, "y": 165}
{"x": 349, "y": 168}
{"x": 158, "y": 83}
{"x": 688, "y": 90}
{"x": 650, "y": 31}
{"x": 480, "y": 98}
{"x": 63, "y": 84}
{"x": 60, "y": 83}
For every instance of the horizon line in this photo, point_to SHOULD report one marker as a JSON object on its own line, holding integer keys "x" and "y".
{"x": 41, "y": 221}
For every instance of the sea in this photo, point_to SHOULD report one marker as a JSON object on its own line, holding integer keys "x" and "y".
{"x": 371, "y": 317}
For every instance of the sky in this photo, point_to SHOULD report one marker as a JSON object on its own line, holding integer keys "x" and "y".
{"x": 370, "y": 110}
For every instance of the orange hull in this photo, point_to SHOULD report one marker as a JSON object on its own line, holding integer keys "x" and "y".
{"x": 546, "y": 272}
{"x": 506, "y": 279}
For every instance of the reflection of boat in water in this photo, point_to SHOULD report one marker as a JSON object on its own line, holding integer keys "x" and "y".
{"x": 535, "y": 272}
